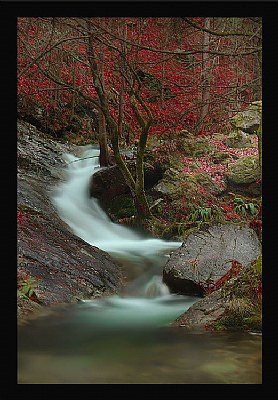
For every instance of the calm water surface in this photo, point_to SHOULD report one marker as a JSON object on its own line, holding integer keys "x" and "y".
{"x": 73, "y": 346}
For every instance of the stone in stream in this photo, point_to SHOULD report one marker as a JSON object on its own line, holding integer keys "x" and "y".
{"x": 208, "y": 255}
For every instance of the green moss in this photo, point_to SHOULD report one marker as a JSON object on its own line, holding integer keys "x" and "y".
{"x": 244, "y": 170}
{"x": 194, "y": 147}
{"x": 221, "y": 157}
{"x": 121, "y": 207}
{"x": 237, "y": 322}
{"x": 243, "y": 307}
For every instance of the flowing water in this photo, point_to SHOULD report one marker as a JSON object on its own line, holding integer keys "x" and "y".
{"x": 126, "y": 338}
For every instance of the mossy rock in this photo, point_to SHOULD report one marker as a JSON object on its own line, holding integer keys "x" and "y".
{"x": 170, "y": 185}
{"x": 249, "y": 119}
{"x": 221, "y": 157}
{"x": 192, "y": 146}
{"x": 204, "y": 180}
{"x": 244, "y": 308}
{"x": 238, "y": 140}
{"x": 120, "y": 207}
{"x": 224, "y": 130}
{"x": 256, "y": 105}
{"x": 244, "y": 170}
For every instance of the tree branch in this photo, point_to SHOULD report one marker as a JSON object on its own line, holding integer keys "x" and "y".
{"x": 215, "y": 33}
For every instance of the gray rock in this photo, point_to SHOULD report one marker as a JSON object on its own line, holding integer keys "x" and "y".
{"x": 206, "y": 256}
{"x": 244, "y": 170}
{"x": 67, "y": 266}
{"x": 108, "y": 182}
{"x": 239, "y": 140}
{"x": 202, "y": 314}
{"x": 248, "y": 120}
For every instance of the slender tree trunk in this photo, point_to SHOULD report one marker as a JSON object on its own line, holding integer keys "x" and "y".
{"x": 102, "y": 138}
{"x": 103, "y": 156}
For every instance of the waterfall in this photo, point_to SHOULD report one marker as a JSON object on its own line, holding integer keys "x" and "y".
{"x": 87, "y": 219}
{"x": 146, "y": 299}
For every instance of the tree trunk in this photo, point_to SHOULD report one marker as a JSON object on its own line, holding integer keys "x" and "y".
{"x": 102, "y": 138}
{"x": 136, "y": 188}
{"x": 103, "y": 156}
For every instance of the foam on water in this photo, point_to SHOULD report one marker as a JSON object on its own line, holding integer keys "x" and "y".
{"x": 87, "y": 219}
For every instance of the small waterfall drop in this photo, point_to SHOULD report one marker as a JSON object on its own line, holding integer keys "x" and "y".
{"x": 146, "y": 299}
{"x": 87, "y": 219}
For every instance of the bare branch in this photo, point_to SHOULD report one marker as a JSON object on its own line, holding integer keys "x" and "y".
{"x": 215, "y": 33}
{"x": 47, "y": 51}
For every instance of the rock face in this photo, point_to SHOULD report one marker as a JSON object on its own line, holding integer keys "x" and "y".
{"x": 202, "y": 313}
{"x": 67, "y": 267}
{"x": 207, "y": 256}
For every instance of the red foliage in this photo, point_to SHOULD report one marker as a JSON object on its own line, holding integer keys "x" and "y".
{"x": 21, "y": 218}
{"x": 210, "y": 286}
{"x": 256, "y": 225}
{"x": 178, "y": 111}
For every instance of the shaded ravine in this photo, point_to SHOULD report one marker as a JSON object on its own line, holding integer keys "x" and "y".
{"x": 125, "y": 338}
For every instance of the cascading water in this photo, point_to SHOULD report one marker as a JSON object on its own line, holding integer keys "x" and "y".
{"x": 125, "y": 338}
{"x": 87, "y": 220}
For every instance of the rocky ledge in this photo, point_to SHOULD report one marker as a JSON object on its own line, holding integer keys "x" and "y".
{"x": 64, "y": 267}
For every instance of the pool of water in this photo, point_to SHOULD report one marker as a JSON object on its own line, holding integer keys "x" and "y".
{"x": 82, "y": 344}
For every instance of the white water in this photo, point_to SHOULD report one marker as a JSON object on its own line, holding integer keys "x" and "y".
{"x": 88, "y": 221}
{"x": 146, "y": 300}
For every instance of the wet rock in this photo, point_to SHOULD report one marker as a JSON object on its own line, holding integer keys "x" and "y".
{"x": 66, "y": 267}
{"x": 207, "y": 256}
{"x": 213, "y": 310}
{"x": 109, "y": 183}
{"x": 203, "y": 312}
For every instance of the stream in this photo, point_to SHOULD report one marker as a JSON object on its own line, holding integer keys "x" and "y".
{"x": 126, "y": 338}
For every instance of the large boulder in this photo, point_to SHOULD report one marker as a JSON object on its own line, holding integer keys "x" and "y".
{"x": 235, "y": 306}
{"x": 208, "y": 255}
{"x": 248, "y": 120}
{"x": 175, "y": 182}
{"x": 109, "y": 183}
{"x": 66, "y": 267}
{"x": 192, "y": 146}
{"x": 243, "y": 176}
